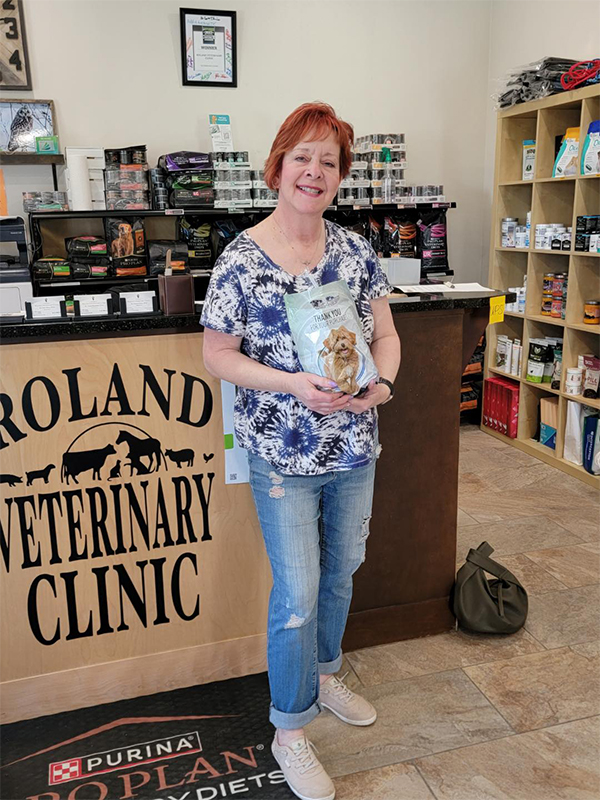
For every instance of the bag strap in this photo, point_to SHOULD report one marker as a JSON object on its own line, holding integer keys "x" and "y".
{"x": 491, "y": 566}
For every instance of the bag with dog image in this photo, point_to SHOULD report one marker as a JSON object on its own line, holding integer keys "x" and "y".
{"x": 327, "y": 333}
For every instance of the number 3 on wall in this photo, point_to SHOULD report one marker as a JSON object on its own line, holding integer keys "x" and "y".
{"x": 14, "y": 62}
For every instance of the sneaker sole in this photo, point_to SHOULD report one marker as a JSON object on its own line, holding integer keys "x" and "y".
{"x": 301, "y": 796}
{"x": 359, "y": 723}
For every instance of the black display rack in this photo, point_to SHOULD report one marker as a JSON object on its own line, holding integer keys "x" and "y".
{"x": 36, "y": 217}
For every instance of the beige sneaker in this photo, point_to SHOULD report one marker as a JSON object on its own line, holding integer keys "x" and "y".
{"x": 302, "y": 770}
{"x": 349, "y": 707}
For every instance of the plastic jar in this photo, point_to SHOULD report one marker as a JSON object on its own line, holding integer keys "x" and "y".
{"x": 558, "y": 284}
{"x": 508, "y": 228}
{"x": 591, "y": 312}
{"x": 547, "y": 305}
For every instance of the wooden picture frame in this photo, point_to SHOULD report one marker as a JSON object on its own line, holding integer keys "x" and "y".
{"x": 21, "y": 121}
{"x": 15, "y": 75}
{"x": 208, "y": 47}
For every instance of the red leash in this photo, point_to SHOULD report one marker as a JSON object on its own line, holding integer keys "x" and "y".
{"x": 580, "y": 73}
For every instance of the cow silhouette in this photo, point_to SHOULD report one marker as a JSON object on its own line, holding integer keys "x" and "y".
{"x": 73, "y": 464}
{"x": 181, "y": 456}
{"x": 140, "y": 448}
{"x": 39, "y": 473}
{"x": 12, "y": 480}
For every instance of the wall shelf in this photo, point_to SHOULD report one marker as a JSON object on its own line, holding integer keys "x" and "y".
{"x": 550, "y": 199}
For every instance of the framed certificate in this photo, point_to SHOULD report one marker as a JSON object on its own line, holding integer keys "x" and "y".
{"x": 208, "y": 47}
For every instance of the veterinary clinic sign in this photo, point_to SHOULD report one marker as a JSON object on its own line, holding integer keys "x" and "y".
{"x": 107, "y": 477}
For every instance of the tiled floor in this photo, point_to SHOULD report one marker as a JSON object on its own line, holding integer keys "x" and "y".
{"x": 473, "y": 717}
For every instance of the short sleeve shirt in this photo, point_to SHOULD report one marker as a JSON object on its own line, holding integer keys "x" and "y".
{"x": 245, "y": 298}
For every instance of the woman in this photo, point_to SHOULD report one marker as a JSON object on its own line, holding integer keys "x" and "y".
{"x": 311, "y": 452}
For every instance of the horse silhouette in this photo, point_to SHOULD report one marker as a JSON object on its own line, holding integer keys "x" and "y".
{"x": 136, "y": 464}
{"x": 140, "y": 448}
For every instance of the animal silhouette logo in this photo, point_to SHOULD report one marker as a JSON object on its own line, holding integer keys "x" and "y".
{"x": 39, "y": 473}
{"x": 180, "y": 457}
{"x": 143, "y": 448}
{"x": 12, "y": 480}
{"x": 76, "y": 462}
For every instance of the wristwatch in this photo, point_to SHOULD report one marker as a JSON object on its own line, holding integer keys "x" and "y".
{"x": 390, "y": 386}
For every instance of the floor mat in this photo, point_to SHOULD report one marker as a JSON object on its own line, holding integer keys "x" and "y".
{"x": 202, "y": 743}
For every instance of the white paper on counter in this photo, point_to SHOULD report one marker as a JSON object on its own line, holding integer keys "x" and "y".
{"x": 236, "y": 458}
{"x": 436, "y": 288}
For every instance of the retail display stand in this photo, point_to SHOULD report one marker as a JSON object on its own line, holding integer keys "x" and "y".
{"x": 549, "y": 199}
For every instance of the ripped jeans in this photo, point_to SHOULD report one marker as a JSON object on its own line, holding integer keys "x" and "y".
{"x": 315, "y": 529}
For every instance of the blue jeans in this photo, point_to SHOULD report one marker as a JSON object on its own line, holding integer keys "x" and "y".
{"x": 315, "y": 529}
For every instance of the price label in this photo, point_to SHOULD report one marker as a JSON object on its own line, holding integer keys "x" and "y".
{"x": 497, "y": 309}
{"x": 92, "y": 305}
{"x": 45, "y": 307}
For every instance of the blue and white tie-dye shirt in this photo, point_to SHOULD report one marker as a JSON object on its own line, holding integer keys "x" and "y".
{"x": 246, "y": 298}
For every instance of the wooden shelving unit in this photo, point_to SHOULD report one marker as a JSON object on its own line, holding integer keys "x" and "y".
{"x": 549, "y": 199}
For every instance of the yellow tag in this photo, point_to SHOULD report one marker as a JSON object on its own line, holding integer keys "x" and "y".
{"x": 497, "y": 309}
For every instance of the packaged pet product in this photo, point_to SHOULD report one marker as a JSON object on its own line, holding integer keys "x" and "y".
{"x": 127, "y": 243}
{"x": 567, "y": 160}
{"x": 157, "y": 256}
{"x": 528, "y": 159}
{"x": 51, "y": 268}
{"x": 184, "y": 160}
{"x": 375, "y": 236}
{"x": 196, "y": 234}
{"x": 573, "y": 451}
{"x": 540, "y": 354}
{"x": 590, "y": 155}
{"x": 200, "y": 179}
{"x": 224, "y": 231}
{"x": 408, "y": 238}
{"x": 89, "y": 268}
{"x": 327, "y": 333}
{"x": 590, "y": 434}
{"x": 592, "y": 377}
{"x": 181, "y": 198}
{"x": 432, "y": 247}
{"x": 86, "y": 247}
{"x": 391, "y": 238}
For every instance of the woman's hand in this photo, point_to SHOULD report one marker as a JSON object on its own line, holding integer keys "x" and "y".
{"x": 304, "y": 386}
{"x": 377, "y": 393}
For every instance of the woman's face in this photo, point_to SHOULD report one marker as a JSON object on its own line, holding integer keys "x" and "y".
{"x": 310, "y": 175}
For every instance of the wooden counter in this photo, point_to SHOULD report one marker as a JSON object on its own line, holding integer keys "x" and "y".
{"x": 129, "y": 566}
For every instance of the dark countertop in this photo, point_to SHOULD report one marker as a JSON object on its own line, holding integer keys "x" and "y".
{"x": 13, "y": 333}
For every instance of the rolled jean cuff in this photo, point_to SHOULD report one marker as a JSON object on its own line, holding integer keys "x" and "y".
{"x": 280, "y": 719}
{"x": 329, "y": 667}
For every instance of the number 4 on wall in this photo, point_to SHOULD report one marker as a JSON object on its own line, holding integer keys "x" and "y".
{"x": 14, "y": 61}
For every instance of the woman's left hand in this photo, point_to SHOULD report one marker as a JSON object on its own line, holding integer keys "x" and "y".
{"x": 377, "y": 393}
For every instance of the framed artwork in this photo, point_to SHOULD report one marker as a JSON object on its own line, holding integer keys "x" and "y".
{"x": 22, "y": 121}
{"x": 208, "y": 47}
{"x": 14, "y": 61}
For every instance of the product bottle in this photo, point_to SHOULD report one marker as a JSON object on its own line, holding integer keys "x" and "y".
{"x": 387, "y": 184}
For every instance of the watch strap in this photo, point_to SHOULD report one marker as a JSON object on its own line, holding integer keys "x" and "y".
{"x": 390, "y": 386}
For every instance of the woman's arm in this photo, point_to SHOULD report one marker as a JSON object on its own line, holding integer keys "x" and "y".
{"x": 386, "y": 352}
{"x": 223, "y": 359}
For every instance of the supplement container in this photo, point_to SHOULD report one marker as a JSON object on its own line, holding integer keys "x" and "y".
{"x": 548, "y": 282}
{"x": 508, "y": 229}
{"x": 591, "y": 312}
{"x": 547, "y": 305}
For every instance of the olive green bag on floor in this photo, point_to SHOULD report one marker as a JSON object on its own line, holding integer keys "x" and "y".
{"x": 496, "y": 605}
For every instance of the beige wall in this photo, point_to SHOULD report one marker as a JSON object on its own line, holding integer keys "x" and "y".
{"x": 113, "y": 69}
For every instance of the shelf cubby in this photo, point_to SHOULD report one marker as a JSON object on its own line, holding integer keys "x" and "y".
{"x": 550, "y": 200}
{"x": 584, "y": 284}
{"x": 553, "y": 122}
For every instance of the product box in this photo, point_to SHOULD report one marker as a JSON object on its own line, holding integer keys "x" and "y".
{"x": 528, "y": 159}
{"x": 501, "y": 405}
{"x": 548, "y": 435}
{"x": 548, "y": 421}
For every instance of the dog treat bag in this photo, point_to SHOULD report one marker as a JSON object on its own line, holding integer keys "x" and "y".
{"x": 327, "y": 333}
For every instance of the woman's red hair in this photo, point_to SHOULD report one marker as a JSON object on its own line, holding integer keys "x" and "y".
{"x": 310, "y": 122}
